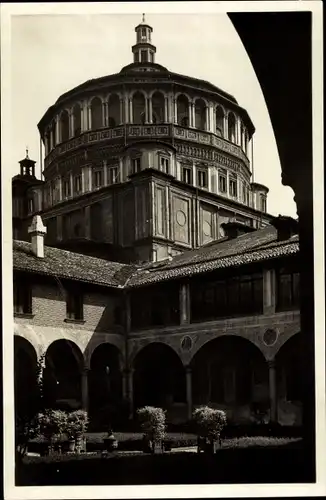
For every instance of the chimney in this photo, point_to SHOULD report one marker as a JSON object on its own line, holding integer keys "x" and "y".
{"x": 286, "y": 227}
{"x": 234, "y": 229}
{"x": 37, "y": 230}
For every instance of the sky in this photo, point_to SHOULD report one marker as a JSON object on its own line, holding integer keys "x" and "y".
{"x": 51, "y": 54}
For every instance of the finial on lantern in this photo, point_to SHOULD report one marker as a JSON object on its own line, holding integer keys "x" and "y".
{"x": 143, "y": 18}
{"x": 27, "y": 152}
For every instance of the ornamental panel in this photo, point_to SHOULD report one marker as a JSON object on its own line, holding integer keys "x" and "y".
{"x": 181, "y": 219}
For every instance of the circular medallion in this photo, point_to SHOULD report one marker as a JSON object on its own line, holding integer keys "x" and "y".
{"x": 186, "y": 343}
{"x": 270, "y": 337}
{"x": 207, "y": 229}
{"x": 181, "y": 218}
{"x": 221, "y": 232}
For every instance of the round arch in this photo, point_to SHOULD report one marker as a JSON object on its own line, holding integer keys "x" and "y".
{"x": 183, "y": 117}
{"x": 76, "y": 111}
{"x": 288, "y": 361}
{"x": 230, "y": 370}
{"x": 64, "y": 125}
{"x": 159, "y": 376}
{"x": 105, "y": 382}
{"x": 158, "y": 106}
{"x": 219, "y": 119}
{"x": 231, "y": 126}
{"x": 114, "y": 117}
{"x": 96, "y": 113}
{"x": 200, "y": 113}
{"x": 64, "y": 364}
{"x": 25, "y": 376}
{"x": 138, "y": 107}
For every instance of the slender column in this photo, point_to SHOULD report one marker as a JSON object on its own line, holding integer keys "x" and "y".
{"x": 225, "y": 127}
{"x": 82, "y": 117}
{"x": 126, "y": 108}
{"x": 212, "y": 119}
{"x": 90, "y": 179}
{"x": 193, "y": 115}
{"x": 269, "y": 291}
{"x": 238, "y": 131}
{"x": 89, "y": 116}
{"x": 130, "y": 386}
{"x": 190, "y": 115}
{"x": 175, "y": 110}
{"x": 84, "y": 389}
{"x": 207, "y": 118}
{"x": 57, "y": 131}
{"x": 272, "y": 391}
{"x": 184, "y": 304}
{"x": 83, "y": 179}
{"x": 106, "y": 113}
{"x": 166, "y": 107}
{"x": 71, "y": 124}
{"x": 105, "y": 173}
{"x": 60, "y": 188}
{"x": 71, "y": 185}
{"x": 209, "y": 179}
{"x": 194, "y": 176}
{"x": 189, "y": 391}
{"x": 121, "y": 110}
{"x": 103, "y": 114}
{"x": 146, "y": 110}
{"x": 131, "y": 118}
{"x": 150, "y": 110}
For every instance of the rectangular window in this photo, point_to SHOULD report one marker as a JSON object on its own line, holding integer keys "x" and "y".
{"x": 164, "y": 165}
{"x": 30, "y": 205}
{"x": 143, "y": 55}
{"x": 113, "y": 175}
{"x": 78, "y": 184}
{"x": 222, "y": 183}
{"x": 66, "y": 188}
{"x": 263, "y": 203}
{"x": 98, "y": 178}
{"x": 233, "y": 188}
{"x": 288, "y": 290}
{"x": 136, "y": 57}
{"x": 22, "y": 297}
{"x": 187, "y": 175}
{"x": 75, "y": 305}
{"x": 202, "y": 179}
{"x": 136, "y": 165}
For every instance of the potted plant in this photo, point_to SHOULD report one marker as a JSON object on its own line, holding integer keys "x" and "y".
{"x": 210, "y": 423}
{"x": 110, "y": 442}
{"x": 77, "y": 423}
{"x": 53, "y": 424}
{"x": 153, "y": 425}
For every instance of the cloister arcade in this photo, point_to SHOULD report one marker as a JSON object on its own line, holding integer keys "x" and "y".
{"x": 141, "y": 107}
{"x": 228, "y": 371}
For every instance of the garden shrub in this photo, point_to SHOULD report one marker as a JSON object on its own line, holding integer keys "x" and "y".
{"x": 153, "y": 424}
{"x": 53, "y": 423}
{"x": 209, "y": 422}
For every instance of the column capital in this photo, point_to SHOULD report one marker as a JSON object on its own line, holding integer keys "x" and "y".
{"x": 271, "y": 363}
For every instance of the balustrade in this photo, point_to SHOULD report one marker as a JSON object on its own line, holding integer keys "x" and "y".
{"x": 148, "y": 131}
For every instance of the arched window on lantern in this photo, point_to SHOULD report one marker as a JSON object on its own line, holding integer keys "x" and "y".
{"x": 138, "y": 108}
{"x": 96, "y": 113}
{"x": 64, "y": 125}
{"x": 158, "y": 103}
{"x": 114, "y": 110}
{"x": 183, "y": 111}
{"x": 77, "y": 119}
{"x": 231, "y": 127}
{"x": 219, "y": 115}
{"x": 200, "y": 114}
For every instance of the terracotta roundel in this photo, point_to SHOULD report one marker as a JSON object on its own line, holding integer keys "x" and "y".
{"x": 207, "y": 228}
{"x": 186, "y": 343}
{"x": 270, "y": 337}
{"x": 181, "y": 218}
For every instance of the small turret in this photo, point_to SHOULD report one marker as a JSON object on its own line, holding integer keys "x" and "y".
{"x": 144, "y": 51}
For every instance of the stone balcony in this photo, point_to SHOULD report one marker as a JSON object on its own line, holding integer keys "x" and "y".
{"x": 131, "y": 133}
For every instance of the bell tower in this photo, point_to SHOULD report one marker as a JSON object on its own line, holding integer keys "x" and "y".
{"x": 144, "y": 51}
{"x": 27, "y": 166}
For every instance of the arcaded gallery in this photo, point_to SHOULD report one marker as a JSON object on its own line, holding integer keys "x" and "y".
{"x": 147, "y": 268}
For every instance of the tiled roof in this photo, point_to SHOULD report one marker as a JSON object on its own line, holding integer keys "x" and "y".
{"x": 248, "y": 248}
{"x": 65, "y": 264}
